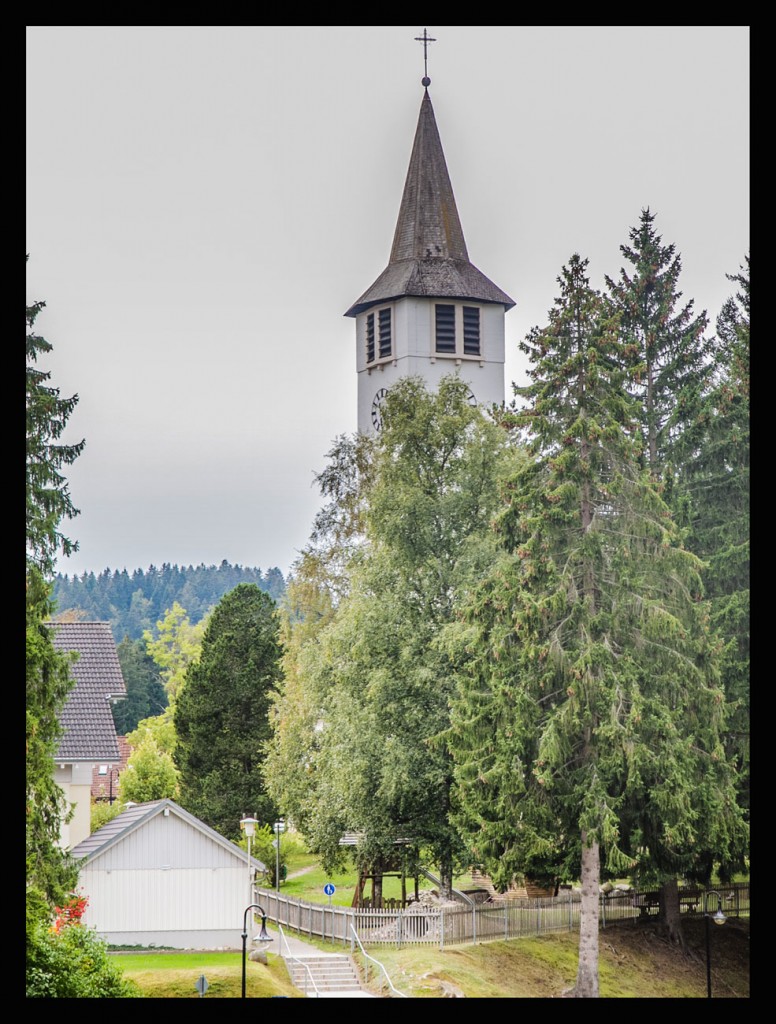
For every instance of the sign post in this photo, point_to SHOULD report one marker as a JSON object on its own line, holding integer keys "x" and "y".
{"x": 330, "y": 889}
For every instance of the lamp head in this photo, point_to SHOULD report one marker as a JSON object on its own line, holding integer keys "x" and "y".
{"x": 263, "y": 935}
{"x": 719, "y": 917}
{"x": 248, "y": 825}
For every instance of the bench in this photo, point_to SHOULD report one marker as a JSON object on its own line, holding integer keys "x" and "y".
{"x": 647, "y": 902}
{"x": 690, "y": 901}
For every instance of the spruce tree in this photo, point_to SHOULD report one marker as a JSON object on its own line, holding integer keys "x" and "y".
{"x": 664, "y": 344}
{"x": 587, "y": 675}
{"x": 715, "y": 495}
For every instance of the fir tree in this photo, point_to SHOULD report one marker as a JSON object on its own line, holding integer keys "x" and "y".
{"x": 221, "y": 712}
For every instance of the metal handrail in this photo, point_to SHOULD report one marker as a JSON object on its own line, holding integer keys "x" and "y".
{"x": 290, "y": 956}
{"x": 368, "y": 957}
{"x": 433, "y": 878}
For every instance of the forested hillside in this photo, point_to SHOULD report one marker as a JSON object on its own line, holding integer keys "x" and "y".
{"x": 133, "y": 602}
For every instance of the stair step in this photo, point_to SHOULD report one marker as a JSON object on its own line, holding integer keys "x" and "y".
{"x": 328, "y": 973}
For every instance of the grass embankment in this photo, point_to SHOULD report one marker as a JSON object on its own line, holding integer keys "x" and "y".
{"x": 635, "y": 961}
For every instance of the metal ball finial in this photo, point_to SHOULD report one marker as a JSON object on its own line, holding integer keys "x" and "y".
{"x": 425, "y": 81}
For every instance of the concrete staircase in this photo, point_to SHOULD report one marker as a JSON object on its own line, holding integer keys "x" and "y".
{"x": 333, "y": 974}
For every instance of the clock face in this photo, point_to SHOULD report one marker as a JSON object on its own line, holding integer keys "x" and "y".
{"x": 377, "y": 408}
{"x": 470, "y": 397}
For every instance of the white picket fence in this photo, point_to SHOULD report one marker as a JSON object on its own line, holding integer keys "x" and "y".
{"x": 464, "y": 924}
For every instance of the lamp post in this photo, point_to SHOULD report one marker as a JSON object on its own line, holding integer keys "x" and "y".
{"x": 279, "y": 827}
{"x": 263, "y": 936}
{"x": 248, "y": 825}
{"x": 110, "y": 784}
{"x": 718, "y": 918}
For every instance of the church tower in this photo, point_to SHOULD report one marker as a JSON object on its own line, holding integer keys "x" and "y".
{"x": 431, "y": 312}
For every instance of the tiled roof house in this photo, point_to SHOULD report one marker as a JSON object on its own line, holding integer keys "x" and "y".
{"x": 89, "y": 738}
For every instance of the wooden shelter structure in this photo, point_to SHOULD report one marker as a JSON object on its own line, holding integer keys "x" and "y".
{"x": 386, "y": 866}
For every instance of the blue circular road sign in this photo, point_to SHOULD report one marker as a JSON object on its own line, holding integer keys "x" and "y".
{"x": 329, "y": 889}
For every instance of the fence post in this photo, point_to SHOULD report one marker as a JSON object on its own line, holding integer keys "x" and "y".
{"x": 441, "y": 927}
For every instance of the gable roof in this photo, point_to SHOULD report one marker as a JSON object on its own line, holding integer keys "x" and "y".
{"x": 429, "y": 256}
{"x": 135, "y": 817}
{"x": 89, "y": 731}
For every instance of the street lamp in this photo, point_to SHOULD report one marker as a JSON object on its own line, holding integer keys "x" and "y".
{"x": 263, "y": 936}
{"x": 248, "y": 825}
{"x": 279, "y": 827}
{"x": 110, "y": 783}
{"x": 718, "y": 918}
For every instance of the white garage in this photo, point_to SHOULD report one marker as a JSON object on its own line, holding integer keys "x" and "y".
{"x": 157, "y": 876}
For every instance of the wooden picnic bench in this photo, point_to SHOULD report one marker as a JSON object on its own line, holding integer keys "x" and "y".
{"x": 690, "y": 900}
{"x": 647, "y": 902}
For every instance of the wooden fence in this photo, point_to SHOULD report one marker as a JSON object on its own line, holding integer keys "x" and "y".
{"x": 464, "y": 924}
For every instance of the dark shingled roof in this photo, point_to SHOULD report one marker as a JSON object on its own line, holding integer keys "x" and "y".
{"x": 89, "y": 732}
{"x": 429, "y": 256}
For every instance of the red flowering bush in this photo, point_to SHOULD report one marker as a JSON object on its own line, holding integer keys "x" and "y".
{"x": 71, "y": 912}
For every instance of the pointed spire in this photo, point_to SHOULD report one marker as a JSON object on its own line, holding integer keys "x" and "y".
{"x": 429, "y": 256}
{"x": 428, "y": 224}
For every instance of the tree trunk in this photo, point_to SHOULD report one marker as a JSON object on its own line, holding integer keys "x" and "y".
{"x": 587, "y": 967}
{"x": 670, "y": 913}
{"x": 446, "y": 881}
{"x": 377, "y": 888}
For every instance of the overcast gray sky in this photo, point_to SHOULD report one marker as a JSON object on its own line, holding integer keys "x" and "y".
{"x": 204, "y": 203}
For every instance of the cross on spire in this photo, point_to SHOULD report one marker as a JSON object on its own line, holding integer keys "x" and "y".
{"x": 425, "y": 39}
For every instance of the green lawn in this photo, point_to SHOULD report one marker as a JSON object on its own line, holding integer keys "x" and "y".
{"x": 309, "y": 886}
{"x": 174, "y": 975}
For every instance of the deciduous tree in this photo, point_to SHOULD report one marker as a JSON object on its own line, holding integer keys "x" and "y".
{"x": 375, "y": 681}
{"x": 176, "y": 646}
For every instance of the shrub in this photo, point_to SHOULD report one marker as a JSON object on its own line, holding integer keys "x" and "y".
{"x": 73, "y": 963}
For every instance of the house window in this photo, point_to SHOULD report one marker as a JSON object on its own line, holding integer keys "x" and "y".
{"x": 103, "y": 769}
{"x": 445, "y": 329}
{"x": 471, "y": 331}
{"x": 378, "y": 335}
{"x": 457, "y": 330}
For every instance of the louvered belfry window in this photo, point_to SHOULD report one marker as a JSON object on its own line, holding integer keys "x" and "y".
{"x": 370, "y": 338}
{"x": 385, "y": 332}
{"x": 445, "y": 328}
{"x": 378, "y": 335}
{"x": 471, "y": 331}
